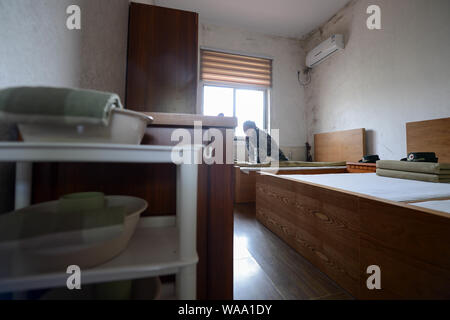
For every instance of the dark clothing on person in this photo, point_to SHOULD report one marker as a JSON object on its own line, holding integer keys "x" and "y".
{"x": 261, "y": 154}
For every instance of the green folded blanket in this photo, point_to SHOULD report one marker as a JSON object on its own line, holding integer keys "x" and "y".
{"x": 57, "y": 106}
{"x": 419, "y": 167}
{"x": 311, "y": 164}
{"x": 442, "y": 178}
{"x": 290, "y": 164}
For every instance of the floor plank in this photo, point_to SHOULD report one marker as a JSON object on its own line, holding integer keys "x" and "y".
{"x": 291, "y": 275}
{"x": 252, "y": 283}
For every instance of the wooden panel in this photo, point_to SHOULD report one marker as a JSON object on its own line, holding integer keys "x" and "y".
{"x": 202, "y": 232}
{"x": 154, "y": 183}
{"x": 162, "y": 136}
{"x": 347, "y": 145}
{"x": 245, "y": 186}
{"x": 411, "y": 247}
{"x": 220, "y": 232}
{"x": 246, "y": 183}
{"x": 162, "y": 59}
{"x": 215, "y": 221}
{"x": 316, "y": 222}
{"x": 430, "y": 136}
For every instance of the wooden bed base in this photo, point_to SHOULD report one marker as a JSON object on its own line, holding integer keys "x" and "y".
{"x": 245, "y": 186}
{"x": 343, "y": 233}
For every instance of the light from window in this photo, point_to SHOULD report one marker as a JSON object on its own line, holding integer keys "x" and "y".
{"x": 218, "y": 100}
{"x": 244, "y": 104}
{"x": 249, "y": 106}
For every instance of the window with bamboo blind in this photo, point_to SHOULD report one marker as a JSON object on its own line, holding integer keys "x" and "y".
{"x": 229, "y": 68}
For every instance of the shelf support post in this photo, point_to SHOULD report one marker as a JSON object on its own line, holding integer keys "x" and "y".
{"x": 24, "y": 172}
{"x": 187, "y": 176}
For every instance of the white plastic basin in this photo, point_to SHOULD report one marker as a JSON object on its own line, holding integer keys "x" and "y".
{"x": 125, "y": 127}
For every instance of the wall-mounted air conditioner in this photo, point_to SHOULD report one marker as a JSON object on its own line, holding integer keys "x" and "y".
{"x": 324, "y": 50}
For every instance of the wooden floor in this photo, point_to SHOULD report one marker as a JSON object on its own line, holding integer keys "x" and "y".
{"x": 265, "y": 268}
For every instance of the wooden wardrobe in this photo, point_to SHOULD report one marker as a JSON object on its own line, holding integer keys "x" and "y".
{"x": 162, "y": 60}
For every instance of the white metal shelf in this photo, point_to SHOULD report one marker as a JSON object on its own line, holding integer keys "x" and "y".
{"x": 153, "y": 251}
{"x": 83, "y": 152}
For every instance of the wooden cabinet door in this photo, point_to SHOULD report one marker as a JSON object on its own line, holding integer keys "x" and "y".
{"x": 162, "y": 60}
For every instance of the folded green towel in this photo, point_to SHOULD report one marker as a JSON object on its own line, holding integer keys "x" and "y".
{"x": 420, "y": 167}
{"x": 290, "y": 164}
{"x": 444, "y": 178}
{"x": 57, "y": 105}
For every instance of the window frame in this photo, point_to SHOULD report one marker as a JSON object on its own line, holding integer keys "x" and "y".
{"x": 265, "y": 90}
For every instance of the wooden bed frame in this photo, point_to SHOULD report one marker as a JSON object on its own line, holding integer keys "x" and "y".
{"x": 343, "y": 233}
{"x": 245, "y": 186}
{"x": 348, "y": 145}
{"x": 337, "y": 146}
{"x": 430, "y": 136}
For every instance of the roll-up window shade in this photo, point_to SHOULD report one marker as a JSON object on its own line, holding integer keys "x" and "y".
{"x": 233, "y": 68}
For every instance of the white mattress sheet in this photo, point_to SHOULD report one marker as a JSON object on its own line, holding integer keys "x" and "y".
{"x": 270, "y": 169}
{"x": 440, "y": 205}
{"x": 381, "y": 187}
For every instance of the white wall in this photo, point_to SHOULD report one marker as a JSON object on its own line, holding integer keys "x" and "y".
{"x": 38, "y": 49}
{"x": 104, "y": 45}
{"x": 384, "y": 78}
{"x": 287, "y": 96}
{"x": 36, "y": 46}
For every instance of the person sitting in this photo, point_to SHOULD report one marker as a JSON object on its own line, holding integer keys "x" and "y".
{"x": 258, "y": 151}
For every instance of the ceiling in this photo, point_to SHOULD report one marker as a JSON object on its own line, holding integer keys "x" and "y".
{"x": 288, "y": 18}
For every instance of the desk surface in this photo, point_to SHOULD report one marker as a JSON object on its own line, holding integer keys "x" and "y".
{"x": 187, "y": 120}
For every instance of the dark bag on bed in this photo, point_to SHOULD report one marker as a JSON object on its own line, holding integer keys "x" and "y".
{"x": 370, "y": 159}
{"x": 421, "y": 157}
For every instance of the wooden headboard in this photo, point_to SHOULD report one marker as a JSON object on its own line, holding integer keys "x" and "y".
{"x": 349, "y": 145}
{"x": 430, "y": 136}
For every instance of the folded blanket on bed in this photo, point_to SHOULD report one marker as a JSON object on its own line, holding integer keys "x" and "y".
{"x": 252, "y": 165}
{"x": 443, "y": 178}
{"x": 419, "y": 167}
{"x": 287, "y": 164}
{"x": 57, "y": 105}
